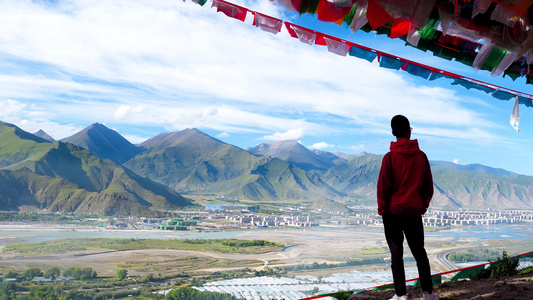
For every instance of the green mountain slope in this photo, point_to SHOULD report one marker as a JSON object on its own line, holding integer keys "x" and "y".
{"x": 293, "y": 152}
{"x": 190, "y": 160}
{"x": 273, "y": 180}
{"x": 67, "y": 178}
{"x": 476, "y": 190}
{"x": 454, "y": 188}
{"x": 357, "y": 177}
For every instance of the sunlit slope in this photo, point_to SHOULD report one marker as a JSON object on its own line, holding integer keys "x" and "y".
{"x": 478, "y": 190}
{"x": 358, "y": 175}
{"x": 455, "y": 186}
{"x": 104, "y": 143}
{"x": 190, "y": 160}
{"x": 276, "y": 179}
{"x": 293, "y": 152}
{"x": 67, "y": 178}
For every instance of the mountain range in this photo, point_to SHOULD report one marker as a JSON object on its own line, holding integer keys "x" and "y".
{"x": 98, "y": 171}
{"x": 39, "y": 175}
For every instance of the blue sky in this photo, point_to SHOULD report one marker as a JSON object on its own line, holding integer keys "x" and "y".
{"x": 146, "y": 67}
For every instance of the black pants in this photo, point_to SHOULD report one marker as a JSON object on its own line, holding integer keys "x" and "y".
{"x": 413, "y": 228}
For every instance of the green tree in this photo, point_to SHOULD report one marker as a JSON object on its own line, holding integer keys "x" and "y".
{"x": 122, "y": 273}
{"x": 7, "y": 290}
{"x": 11, "y": 274}
{"x": 28, "y": 274}
{"x": 52, "y": 272}
{"x": 44, "y": 293}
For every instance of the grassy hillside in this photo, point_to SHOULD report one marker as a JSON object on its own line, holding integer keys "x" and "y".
{"x": 190, "y": 160}
{"x": 67, "y": 178}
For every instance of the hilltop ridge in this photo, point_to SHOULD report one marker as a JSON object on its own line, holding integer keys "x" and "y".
{"x": 505, "y": 288}
{"x": 191, "y": 161}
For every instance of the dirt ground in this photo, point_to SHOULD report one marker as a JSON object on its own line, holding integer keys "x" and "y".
{"x": 510, "y": 288}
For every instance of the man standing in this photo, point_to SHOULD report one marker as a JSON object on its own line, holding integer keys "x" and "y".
{"x": 405, "y": 188}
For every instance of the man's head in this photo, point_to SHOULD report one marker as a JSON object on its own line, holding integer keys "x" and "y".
{"x": 400, "y": 127}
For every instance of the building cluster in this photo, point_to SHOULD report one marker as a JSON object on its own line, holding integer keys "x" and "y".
{"x": 437, "y": 218}
{"x": 274, "y": 221}
{"x": 463, "y": 218}
{"x": 170, "y": 224}
{"x": 224, "y": 220}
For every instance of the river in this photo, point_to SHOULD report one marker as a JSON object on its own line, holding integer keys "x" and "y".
{"x": 11, "y": 234}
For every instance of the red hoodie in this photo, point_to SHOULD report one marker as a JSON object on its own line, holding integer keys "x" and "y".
{"x": 405, "y": 184}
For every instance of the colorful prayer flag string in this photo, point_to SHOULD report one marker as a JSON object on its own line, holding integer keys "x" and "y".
{"x": 386, "y": 60}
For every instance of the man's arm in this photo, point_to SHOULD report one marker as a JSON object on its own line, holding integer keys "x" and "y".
{"x": 384, "y": 185}
{"x": 427, "y": 185}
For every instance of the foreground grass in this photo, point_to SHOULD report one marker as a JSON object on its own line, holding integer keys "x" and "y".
{"x": 99, "y": 245}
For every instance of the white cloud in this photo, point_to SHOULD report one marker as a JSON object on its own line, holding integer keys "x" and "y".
{"x": 321, "y": 145}
{"x": 456, "y": 161}
{"x": 292, "y": 134}
{"x": 10, "y": 108}
{"x": 125, "y": 110}
{"x": 357, "y": 147}
{"x": 180, "y": 65}
{"x": 134, "y": 139}
{"x": 223, "y": 135}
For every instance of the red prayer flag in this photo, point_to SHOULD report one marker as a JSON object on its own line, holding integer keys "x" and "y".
{"x": 291, "y": 31}
{"x": 320, "y": 40}
{"x": 328, "y": 12}
{"x": 376, "y": 15}
{"x": 230, "y": 9}
{"x": 293, "y": 5}
{"x": 399, "y": 28}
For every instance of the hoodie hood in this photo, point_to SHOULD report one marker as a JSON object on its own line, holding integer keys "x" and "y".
{"x": 405, "y": 146}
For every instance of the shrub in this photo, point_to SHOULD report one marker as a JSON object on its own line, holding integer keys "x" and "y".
{"x": 122, "y": 273}
{"x": 504, "y": 266}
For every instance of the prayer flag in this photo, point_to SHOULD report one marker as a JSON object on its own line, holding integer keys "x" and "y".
{"x": 320, "y": 40}
{"x": 230, "y": 9}
{"x": 417, "y": 70}
{"x": 267, "y": 23}
{"x": 400, "y": 27}
{"x": 437, "y": 75}
{"x": 363, "y": 53}
{"x": 338, "y": 47}
{"x": 377, "y": 16}
{"x": 472, "y": 85}
{"x": 501, "y": 95}
{"x": 304, "y": 35}
{"x": 329, "y": 12}
{"x": 390, "y": 62}
{"x": 515, "y": 115}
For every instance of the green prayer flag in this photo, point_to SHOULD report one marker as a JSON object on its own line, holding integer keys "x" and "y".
{"x": 384, "y": 287}
{"x": 513, "y": 74}
{"x": 445, "y": 53}
{"x": 529, "y": 79}
{"x": 201, "y": 2}
{"x": 434, "y": 280}
{"x": 466, "y": 273}
{"x": 349, "y": 16}
{"x": 383, "y": 30}
{"x": 465, "y": 58}
{"x": 495, "y": 57}
{"x": 428, "y": 32}
{"x": 309, "y": 6}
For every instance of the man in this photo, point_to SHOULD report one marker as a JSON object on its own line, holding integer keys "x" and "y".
{"x": 405, "y": 188}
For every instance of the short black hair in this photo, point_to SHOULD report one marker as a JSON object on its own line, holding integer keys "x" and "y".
{"x": 400, "y": 126}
